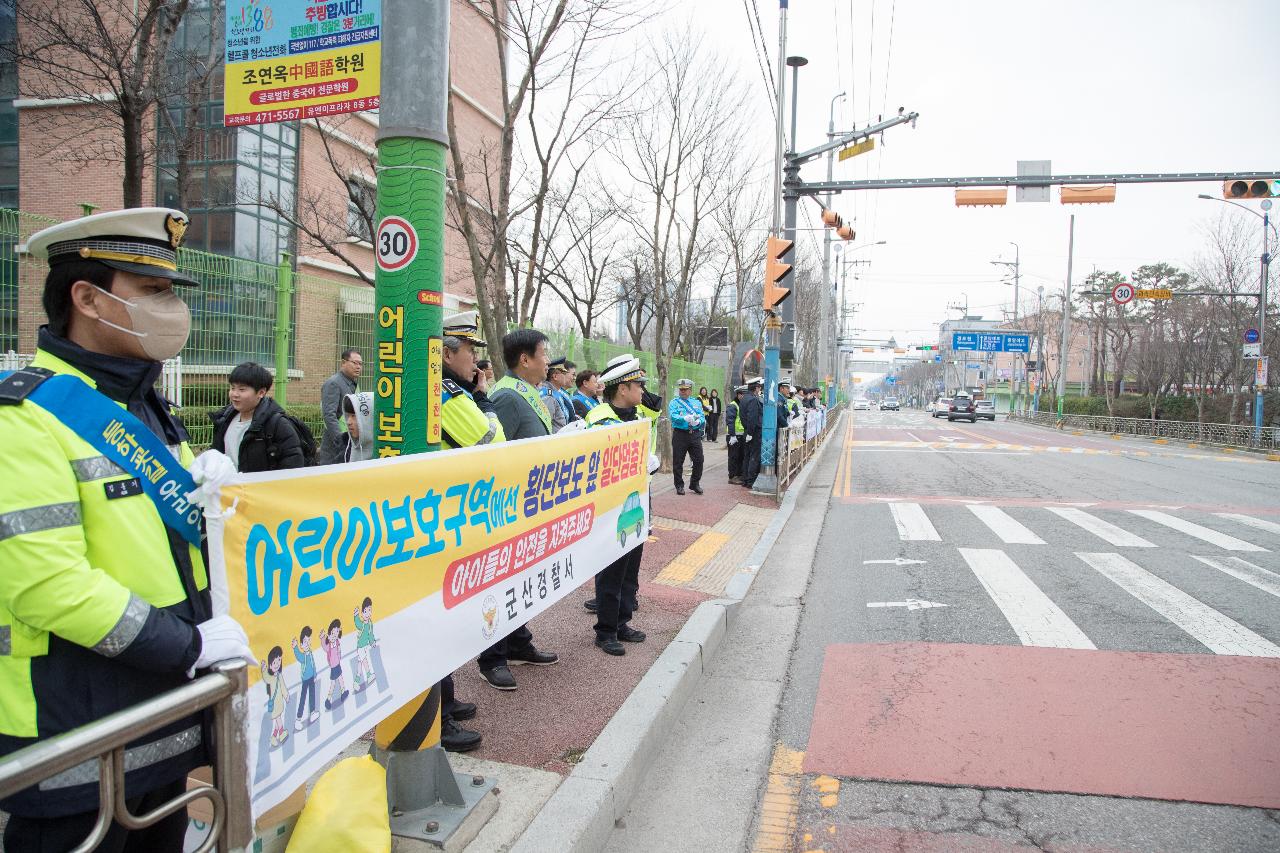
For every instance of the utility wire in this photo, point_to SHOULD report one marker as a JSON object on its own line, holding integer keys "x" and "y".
{"x": 761, "y": 51}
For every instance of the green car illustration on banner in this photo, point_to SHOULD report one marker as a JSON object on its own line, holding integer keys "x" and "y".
{"x": 631, "y": 518}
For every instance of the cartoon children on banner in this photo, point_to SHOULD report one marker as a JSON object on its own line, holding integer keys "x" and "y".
{"x": 364, "y": 675}
{"x": 307, "y": 692}
{"x": 332, "y": 642}
{"x": 277, "y": 694}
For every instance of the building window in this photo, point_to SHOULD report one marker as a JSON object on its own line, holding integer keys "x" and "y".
{"x": 362, "y": 202}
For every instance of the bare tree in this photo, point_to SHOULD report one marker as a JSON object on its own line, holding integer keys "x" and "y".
{"x": 582, "y": 263}
{"x": 742, "y": 222}
{"x": 113, "y": 61}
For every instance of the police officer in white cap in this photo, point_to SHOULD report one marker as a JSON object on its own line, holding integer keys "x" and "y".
{"x": 104, "y": 596}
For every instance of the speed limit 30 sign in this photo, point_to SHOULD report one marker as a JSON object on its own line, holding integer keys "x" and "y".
{"x": 397, "y": 244}
{"x": 1123, "y": 293}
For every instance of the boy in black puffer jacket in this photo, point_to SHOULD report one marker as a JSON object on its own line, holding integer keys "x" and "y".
{"x": 252, "y": 430}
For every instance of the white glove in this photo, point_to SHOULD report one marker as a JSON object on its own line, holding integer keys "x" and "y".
{"x": 733, "y": 439}
{"x": 211, "y": 470}
{"x": 748, "y": 439}
{"x": 222, "y": 638}
{"x": 654, "y": 463}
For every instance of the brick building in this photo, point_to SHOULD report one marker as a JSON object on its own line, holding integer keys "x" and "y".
{"x": 253, "y": 193}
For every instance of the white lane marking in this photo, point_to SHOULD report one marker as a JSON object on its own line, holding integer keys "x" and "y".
{"x": 1104, "y": 530}
{"x": 1255, "y": 576}
{"x": 1213, "y": 537}
{"x": 913, "y": 524}
{"x": 1033, "y": 616}
{"x": 1208, "y": 626}
{"x": 1249, "y": 520}
{"x": 1010, "y": 531}
{"x": 910, "y": 604}
{"x": 896, "y": 561}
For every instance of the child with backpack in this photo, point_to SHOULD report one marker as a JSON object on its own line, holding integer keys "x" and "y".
{"x": 254, "y": 431}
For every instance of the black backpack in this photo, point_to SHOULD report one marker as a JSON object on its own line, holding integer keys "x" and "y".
{"x": 305, "y": 438}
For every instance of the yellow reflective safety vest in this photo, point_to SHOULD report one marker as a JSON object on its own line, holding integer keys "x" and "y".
{"x": 97, "y": 604}
{"x": 462, "y": 423}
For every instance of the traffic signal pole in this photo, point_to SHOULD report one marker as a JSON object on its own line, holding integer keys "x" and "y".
{"x": 1258, "y": 388}
{"x": 428, "y": 801}
{"x": 1064, "y": 350}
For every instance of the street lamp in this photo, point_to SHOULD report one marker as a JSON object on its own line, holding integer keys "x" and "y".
{"x": 1258, "y": 387}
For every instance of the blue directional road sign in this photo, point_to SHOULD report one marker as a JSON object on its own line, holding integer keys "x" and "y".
{"x": 937, "y": 359}
{"x": 990, "y": 342}
{"x": 1251, "y": 336}
{"x": 892, "y": 380}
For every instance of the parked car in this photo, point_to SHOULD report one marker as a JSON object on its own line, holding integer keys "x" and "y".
{"x": 986, "y": 409}
{"x": 962, "y": 406}
{"x": 889, "y": 404}
{"x": 940, "y": 407}
{"x": 862, "y": 405}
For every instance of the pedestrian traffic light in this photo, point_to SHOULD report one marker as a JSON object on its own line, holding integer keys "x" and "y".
{"x": 1257, "y": 186}
{"x": 777, "y": 271}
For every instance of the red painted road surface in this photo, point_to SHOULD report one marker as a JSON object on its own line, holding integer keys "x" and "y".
{"x": 1201, "y": 728}
{"x": 869, "y": 839}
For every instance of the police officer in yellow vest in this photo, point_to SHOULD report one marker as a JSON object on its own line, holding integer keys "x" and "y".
{"x": 618, "y": 583}
{"x": 104, "y": 598}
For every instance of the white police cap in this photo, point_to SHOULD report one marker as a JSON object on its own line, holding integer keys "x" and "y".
{"x": 140, "y": 240}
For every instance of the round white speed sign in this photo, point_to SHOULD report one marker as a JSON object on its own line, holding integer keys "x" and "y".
{"x": 396, "y": 244}
{"x": 1123, "y": 293}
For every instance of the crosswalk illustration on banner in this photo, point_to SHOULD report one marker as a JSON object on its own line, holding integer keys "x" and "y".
{"x": 1132, "y": 549}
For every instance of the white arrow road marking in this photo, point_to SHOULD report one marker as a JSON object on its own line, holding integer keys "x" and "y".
{"x": 1033, "y": 616}
{"x": 910, "y": 604}
{"x": 1213, "y": 537}
{"x": 1255, "y": 576}
{"x": 897, "y": 561}
{"x": 1208, "y": 626}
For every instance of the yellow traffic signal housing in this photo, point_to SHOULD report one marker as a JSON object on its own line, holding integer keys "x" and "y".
{"x": 846, "y": 232}
{"x": 1259, "y": 186}
{"x": 985, "y": 197}
{"x": 1089, "y": 195}
{"x": 831, "y": 219}
{"x": 777, "y": 271}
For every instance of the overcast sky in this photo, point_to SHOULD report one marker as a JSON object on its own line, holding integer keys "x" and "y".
{"x": 1110, "y": 86}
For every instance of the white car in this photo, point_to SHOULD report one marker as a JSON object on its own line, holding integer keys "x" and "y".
{"x": 861, "y": 406}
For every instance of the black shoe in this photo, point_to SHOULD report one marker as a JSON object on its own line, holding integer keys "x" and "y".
{"x": 610, "y": 646}
{"x": 735, "y": 481}
{"x": 697, "y": 490}
{"x": 533, "y": 656}
{"x": 499, "y": 678}
{"x": 463, "y": 711}
{"x": 627, "y": 634}
{"x": 591, "y": 604}
{"x": 454, "y": 738}
{"x": 679, "y": 490}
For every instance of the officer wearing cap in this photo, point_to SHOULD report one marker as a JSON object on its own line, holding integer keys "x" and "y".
{"x": 751, "y": 411}
{"x": 734, "y": 435}
{"x": 555, "y": 392}
{"x": 104, "y": 597}
{"x": 687, "y": 422}
{"x": 618, "y": 583}
{"x": 790, "y": 402}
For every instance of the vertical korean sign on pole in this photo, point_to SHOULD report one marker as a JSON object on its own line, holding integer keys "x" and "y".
{"x": 289, "y": 59}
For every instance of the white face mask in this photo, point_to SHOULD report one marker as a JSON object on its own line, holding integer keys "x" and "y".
{"x": 162, "y": 321}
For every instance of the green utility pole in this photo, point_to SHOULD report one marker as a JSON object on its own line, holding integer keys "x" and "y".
{"x": 284, "y": 310}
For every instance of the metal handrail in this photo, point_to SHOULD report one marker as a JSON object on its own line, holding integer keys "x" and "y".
{"x": 104, "y": 740}
{"x": 1228, "y": 435}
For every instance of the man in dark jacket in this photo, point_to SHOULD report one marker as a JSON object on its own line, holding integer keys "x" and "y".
{"x": 252, "y": 430}
{"x": 335, "y": 388}
{"x": 751, "y": 411}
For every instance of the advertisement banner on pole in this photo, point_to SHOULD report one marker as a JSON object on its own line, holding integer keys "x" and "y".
{"x": 1260, "y": 376}
{"x": 362, "y": 585}
{"x": 290, "y": 59}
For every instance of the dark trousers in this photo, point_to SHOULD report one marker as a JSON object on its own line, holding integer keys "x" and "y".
{"x": 307, "y": 693}
{"x": 448, "y": 701}
{"x": 750, "y": 459}
{"x": 59, "y": 834}
{"x": 616, "y": 589}
{"x": 713, "y": 423}
{"x": 496, "y": 655}
{"x": 735, "y": 458}
{"x": 686, "y": 442}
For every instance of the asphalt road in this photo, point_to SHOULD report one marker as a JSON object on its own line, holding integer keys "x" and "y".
{"x": 1015, "y": 637}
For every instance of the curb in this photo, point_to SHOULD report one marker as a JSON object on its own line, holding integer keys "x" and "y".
{"x": 1271, "y": 455}
{"x": 580, "y": 816}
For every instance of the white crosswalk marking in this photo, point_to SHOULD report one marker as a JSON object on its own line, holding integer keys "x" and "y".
{"x": 1208, "y": 626}
{"x": 1213, "y": 537}
{"x": 1255, "y": 576}
{"x": 1010, "y": 531}
{"x": 913, "y": 524}
{"x": 1033, "y": 616}
{"x": 1249, "y": 520}
{"x": 1104, "y": 530}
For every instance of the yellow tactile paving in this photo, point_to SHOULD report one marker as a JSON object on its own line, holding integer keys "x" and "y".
{"x": 781, "y": 803}
{"x": 684, "y": 567}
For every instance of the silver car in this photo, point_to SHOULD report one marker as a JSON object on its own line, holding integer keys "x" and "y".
{"x": 986, "y": 409}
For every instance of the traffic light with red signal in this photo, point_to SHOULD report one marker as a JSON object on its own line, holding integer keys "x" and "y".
{"x": 777, "y": 272}
{"x": 1252, "y": 186}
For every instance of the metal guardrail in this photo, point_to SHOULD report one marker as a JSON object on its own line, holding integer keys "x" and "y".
{"x": 223, "y": 689}
{"x": 1227, "y": 435}
{"x": 796, "y": 446}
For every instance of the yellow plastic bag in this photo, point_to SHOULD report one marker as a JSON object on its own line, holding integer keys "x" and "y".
{"x": 347, "y": 811}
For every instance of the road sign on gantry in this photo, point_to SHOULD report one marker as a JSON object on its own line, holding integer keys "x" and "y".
{"x": 1122, "y": 294}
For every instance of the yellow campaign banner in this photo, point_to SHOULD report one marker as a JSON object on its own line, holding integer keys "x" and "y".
{"x": 290, "y": 59}
{"x": 361, "y": 585}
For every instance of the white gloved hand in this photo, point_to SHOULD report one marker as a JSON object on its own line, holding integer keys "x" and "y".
{"x": 222, "y": 638}
{"x": 733, "y": 439}
{"x": 211, "y": 470}
{"x": 748, "y": 439}
{"x": 654, "y": 463}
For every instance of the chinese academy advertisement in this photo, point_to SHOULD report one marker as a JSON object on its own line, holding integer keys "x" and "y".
{"x": 362, "y": 585}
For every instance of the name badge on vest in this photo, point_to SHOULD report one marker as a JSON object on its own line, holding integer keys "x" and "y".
{"x": 123, "y": 488}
